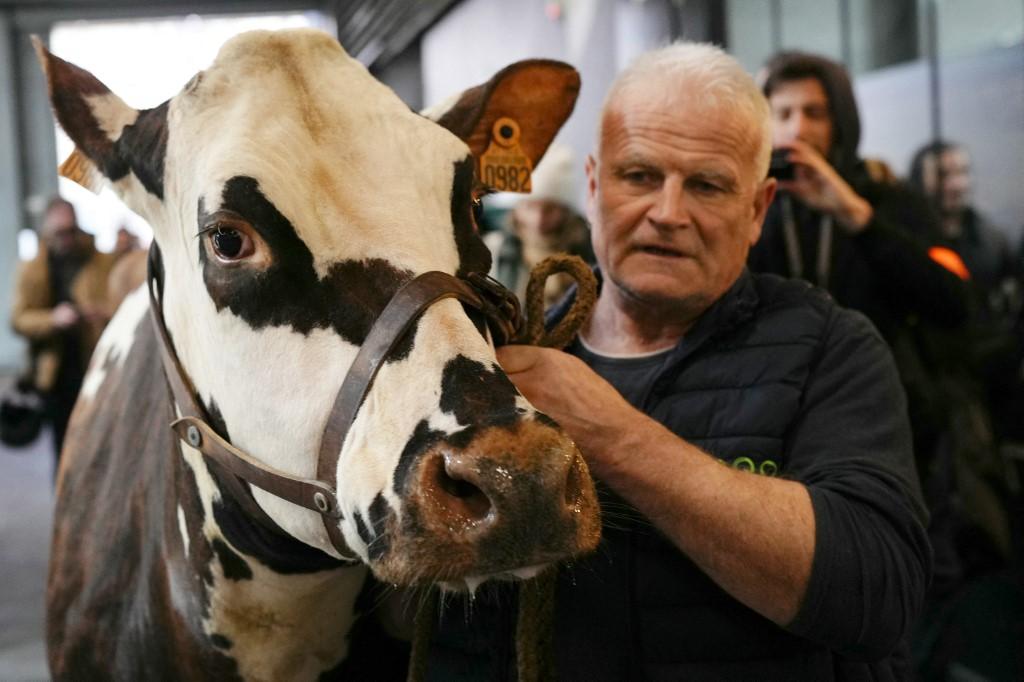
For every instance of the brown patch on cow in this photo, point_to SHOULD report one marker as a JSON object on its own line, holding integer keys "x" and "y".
{"x": 122, "y": 598}
{"x": 513, "y": 496}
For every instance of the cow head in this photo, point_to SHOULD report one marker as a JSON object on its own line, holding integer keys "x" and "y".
{"x": 291, "y": 194}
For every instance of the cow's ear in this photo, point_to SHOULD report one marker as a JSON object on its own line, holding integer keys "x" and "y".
{"x": 538, "y": 94}
{"x": 113, "y": 142}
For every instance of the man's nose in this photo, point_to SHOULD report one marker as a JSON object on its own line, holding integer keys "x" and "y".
{"x": 669, "y": 209}
{"x": 794, "y": 127}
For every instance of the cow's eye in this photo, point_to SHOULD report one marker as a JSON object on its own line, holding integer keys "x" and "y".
{"x": 231, "y": 244}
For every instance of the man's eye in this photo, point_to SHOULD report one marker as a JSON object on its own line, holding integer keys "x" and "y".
{"x": 705, "y": 187}
{"x": 638, "y": 177}
{"x": 231, "y": 244}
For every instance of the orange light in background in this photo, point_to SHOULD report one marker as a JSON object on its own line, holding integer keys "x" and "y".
{"x": 949, "y": 259}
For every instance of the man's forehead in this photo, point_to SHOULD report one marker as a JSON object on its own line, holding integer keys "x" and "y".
{"x": 685, "y": 124}
{"x": 807, "y": 90}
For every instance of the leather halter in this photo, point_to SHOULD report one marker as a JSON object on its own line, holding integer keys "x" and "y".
{"x": 504, "y": 319}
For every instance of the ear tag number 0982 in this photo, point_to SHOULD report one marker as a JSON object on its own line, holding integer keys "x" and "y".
{"x": 504, "y": 167}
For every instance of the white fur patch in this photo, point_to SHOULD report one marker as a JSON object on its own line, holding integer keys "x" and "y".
{"x": 116, "y": 341}
{"x": 111, "y": 113}
{"x": 285, "y": 627}
{"x": 183, "y": 529}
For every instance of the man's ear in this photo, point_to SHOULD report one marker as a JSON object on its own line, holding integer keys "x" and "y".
{"x": 591, "y": 170}
{"x": 763, "y": 196}
{"x": 113, "y": 142}
{"x": 537, "y": 94}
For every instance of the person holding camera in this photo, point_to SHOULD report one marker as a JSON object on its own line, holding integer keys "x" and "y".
{"x": 60, "y": 307}
{"x": 863, "y": 238}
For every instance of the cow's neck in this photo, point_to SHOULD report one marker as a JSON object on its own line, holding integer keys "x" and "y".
{"x": 279, "y": 608}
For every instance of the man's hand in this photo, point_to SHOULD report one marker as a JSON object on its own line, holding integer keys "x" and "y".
{"x": 95, "y": 314}
{"x": 817, "y": 184}
{"x": 64, "y": 316}
{"x": 586, "y": 406}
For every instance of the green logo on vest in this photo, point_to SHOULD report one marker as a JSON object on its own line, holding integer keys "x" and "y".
{"x": 766, "y": 468}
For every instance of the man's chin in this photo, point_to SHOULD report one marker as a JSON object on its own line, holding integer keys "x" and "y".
{"x": 663, "y": 294}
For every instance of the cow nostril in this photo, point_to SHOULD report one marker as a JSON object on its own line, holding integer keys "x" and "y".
{"x": 461, "y": 496}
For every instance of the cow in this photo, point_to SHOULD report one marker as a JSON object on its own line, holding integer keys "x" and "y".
{"x": 292, "y": 197}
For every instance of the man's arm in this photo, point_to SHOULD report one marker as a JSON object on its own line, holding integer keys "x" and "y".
{"x": 753, "y": 535}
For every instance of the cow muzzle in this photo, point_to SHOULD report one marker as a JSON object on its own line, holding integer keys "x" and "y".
{"x": 502, "y": 499}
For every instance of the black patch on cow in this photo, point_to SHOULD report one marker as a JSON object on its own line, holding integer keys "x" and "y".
{"x": 362, "y": 529}
{"x": 474, "y": 256}
{"x": 143, "y": 146}
{"x": 217, "y": 420}
{"x": 378, "y": 519}
{"x": 476, "y": 394}
{"x": 279, "y": 552}
{"x": 234, "y": 566}
{"x": 422, "y": 438}
{"x": 288, "y": 292}
{"x": 374, "y": 535}
{"x": 545, "y": 420}
{"x": 220, "y": 641}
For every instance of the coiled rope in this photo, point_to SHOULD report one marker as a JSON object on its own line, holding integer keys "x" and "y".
{"x": 534, "y": 626}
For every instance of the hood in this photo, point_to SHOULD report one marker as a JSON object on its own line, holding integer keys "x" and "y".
{"x": 790, "y": 66}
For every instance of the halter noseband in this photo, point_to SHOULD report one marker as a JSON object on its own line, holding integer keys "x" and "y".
{"x": 504, "y": 319}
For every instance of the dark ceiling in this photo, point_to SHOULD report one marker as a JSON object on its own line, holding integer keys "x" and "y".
{"x": 373, "y": 31}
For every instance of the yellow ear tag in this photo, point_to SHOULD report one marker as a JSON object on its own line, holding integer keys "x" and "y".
{"x": 504, "y": 167}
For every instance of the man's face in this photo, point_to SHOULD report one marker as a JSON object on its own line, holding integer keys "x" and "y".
{"x": 800, "y": 112}
{"x": 60, "y": 230}
{"x": 956, "y": 179}
{"x": 674, "y": 200}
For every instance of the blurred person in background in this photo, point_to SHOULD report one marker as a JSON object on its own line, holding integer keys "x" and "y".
{"x": 540, "y": 224}
{"x": 983, "y": 247}
{"x": 997, "y": 335}
{"x": 126, "y": 242}
{"x": 130, "y": 270}
{"x": 862, "y": 238}
{"x": 60, "y": 307}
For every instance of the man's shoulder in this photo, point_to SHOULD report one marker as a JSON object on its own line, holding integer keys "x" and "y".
{"x": 789, "y": 306}
{"x": 30, "y": 272}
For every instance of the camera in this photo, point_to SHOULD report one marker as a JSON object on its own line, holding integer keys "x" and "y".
{"x": 780, "y": 167}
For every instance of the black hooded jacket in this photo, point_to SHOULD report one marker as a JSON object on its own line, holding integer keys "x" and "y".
{"x": 885, "y": 270}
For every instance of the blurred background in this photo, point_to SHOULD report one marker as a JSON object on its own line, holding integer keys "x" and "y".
{"x": 923, "y": 70}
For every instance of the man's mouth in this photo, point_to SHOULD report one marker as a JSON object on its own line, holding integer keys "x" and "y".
{"x": 662, "y": 251}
